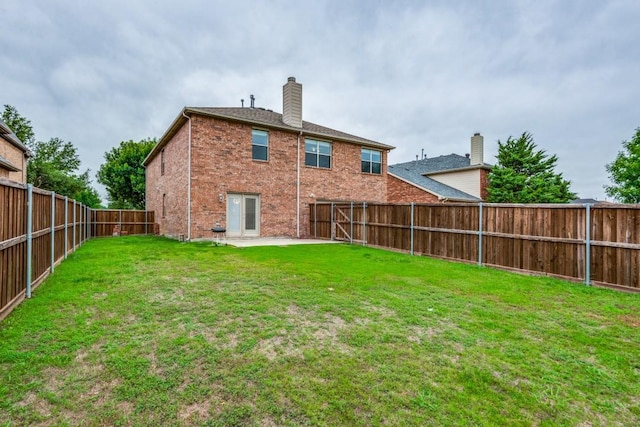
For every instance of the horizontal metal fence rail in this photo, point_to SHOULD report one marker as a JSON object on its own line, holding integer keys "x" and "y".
{"x": 598, "y": 244}
{"x": 39, "y": 229}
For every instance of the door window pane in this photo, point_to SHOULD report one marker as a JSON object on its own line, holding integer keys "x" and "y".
{"x": 250, "y": 213}
{"x": 235, "y": 213}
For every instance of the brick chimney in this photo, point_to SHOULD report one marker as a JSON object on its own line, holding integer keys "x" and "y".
{"x": 292, "y": 103}
{"x": 477, "y": 149}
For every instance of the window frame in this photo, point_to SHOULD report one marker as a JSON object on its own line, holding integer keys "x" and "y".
{"x": 253, "y": 144}
{"x": 162, "y": 162}
{"x": 317, "y": 154}
{"x": 370, "y": 161}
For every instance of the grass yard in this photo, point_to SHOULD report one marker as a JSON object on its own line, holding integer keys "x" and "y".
{"x": 149, "y": 331}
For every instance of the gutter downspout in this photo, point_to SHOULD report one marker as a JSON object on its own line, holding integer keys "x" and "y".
{"x": 188, "y": 182}
{"x": 298, "y": 190}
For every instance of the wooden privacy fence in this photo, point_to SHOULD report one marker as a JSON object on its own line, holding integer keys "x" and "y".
{"x": 597, "y": 244}
{"x": 38, "y": 229}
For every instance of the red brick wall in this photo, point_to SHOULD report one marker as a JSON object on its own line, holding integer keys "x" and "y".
{"x": 173, "y": 184}
{"x": 222, "y": 163}
{"x": 399, "y": 191}
{"x": 484, "y": 184}
{"x": 16, "y": 157}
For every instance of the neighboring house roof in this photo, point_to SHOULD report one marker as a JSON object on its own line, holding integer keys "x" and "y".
{"x": 261, "y": 117}
{"x": 6, "y": 164}
{"x": 417, "y": 173}
{"x": 586, "y": 201}
{"x": 7, "y": 134}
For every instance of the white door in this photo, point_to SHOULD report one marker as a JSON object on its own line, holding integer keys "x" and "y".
{"x": 243, "y": 215}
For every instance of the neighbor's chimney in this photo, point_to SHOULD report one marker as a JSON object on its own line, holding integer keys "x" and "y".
{"x": 292, "y": 103}
{"x": 477, "y": 149}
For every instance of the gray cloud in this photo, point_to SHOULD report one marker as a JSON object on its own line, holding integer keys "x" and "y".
{"x": 417, "y": 75}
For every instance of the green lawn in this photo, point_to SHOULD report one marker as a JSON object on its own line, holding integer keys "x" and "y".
{"x": 149, "y": 331}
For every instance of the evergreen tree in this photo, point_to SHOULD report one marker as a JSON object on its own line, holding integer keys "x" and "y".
{"x": 624, "y": 172}
{"x": 524, "y": 174}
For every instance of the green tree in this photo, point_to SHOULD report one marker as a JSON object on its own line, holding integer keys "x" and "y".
{"x": 524, "y": 174}
{"x": 54, "y": 166}
{"x": 624, "y": 172}
{"x": 20, "y": 126}
{"x": 123, "y": 175}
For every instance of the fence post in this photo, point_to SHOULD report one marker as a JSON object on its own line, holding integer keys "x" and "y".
{"x": 86, "y": 222}
{"x": 120, "y": 221}
{"x": 351, "y": 225}
{"x": 315, "y": 220}
{"x": 53, "y": 231}
{"x": 146, "y": 221}
{"x": 412, "y": 204}
{"x": 66, "y": 226}
{"x": 480, "y": 234}
{"x": 74, "y": 226}
{"x": 364, "y": 223}
{"x": 587, "y": 246}
{"x": 29, "y": 236}
{"x": 331, "y": 227}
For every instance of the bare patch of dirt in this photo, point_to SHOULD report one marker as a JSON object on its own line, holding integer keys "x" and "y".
{"x": 41, "y": 406}
{"x": 310, "y": 330}
{"x": 419, "y": 334}
{"x": 384, "y": 312}
{"x": 630, "y": 320}
{"x": 196, "y": 411}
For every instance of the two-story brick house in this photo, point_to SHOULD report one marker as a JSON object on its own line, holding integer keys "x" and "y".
{"x": 13, "y": 155}
{"x": 255, "y": 171}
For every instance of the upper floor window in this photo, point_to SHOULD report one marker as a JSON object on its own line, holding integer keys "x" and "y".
{"x": 317, "y": 153}
{"x": 371, "y": 161}
{"x": 259, "y": 144}
{"x": 162, "y": 162}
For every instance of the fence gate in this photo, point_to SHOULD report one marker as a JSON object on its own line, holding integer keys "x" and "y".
{"x": 342, "y": 222}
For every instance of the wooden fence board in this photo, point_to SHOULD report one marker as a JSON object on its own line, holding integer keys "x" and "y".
{"x": 541, "y": 239}
{"x": 70, "y": 223}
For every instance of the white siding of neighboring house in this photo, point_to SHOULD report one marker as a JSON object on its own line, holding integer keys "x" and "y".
{"x": 466, "y": 180}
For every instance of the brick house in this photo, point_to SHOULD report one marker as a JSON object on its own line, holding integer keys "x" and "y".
{"x": 449, "y": 178}
{"x": 255, "y": 171}
{"x": 13, "y": 155}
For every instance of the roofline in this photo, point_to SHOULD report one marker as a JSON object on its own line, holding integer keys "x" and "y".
{"x": 168, "y": 134}
{"x": 484, "y": 166}
{"x": 179, "y": 121}
{"x": 7, "y": 134}
{"x": 6, "y": 164}
{"x": 285, "y": 127}
{"x": 440, "y": 196}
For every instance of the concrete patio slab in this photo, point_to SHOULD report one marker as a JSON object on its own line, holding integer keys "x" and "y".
{"x": 244, "y": 243}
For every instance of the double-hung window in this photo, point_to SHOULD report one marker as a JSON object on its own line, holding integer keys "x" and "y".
{"x": 317, "y": 153}
{"x": 371, "y": 161}
{"x": 259, "y": 144}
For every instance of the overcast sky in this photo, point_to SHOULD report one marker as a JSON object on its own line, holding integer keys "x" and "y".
{"x": 412, "y": 74}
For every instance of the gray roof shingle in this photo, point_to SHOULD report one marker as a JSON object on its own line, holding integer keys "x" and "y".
{"x": 415, "y": 171}
{"x": 270, "y": 118}
{"x": 260, "y": 117}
